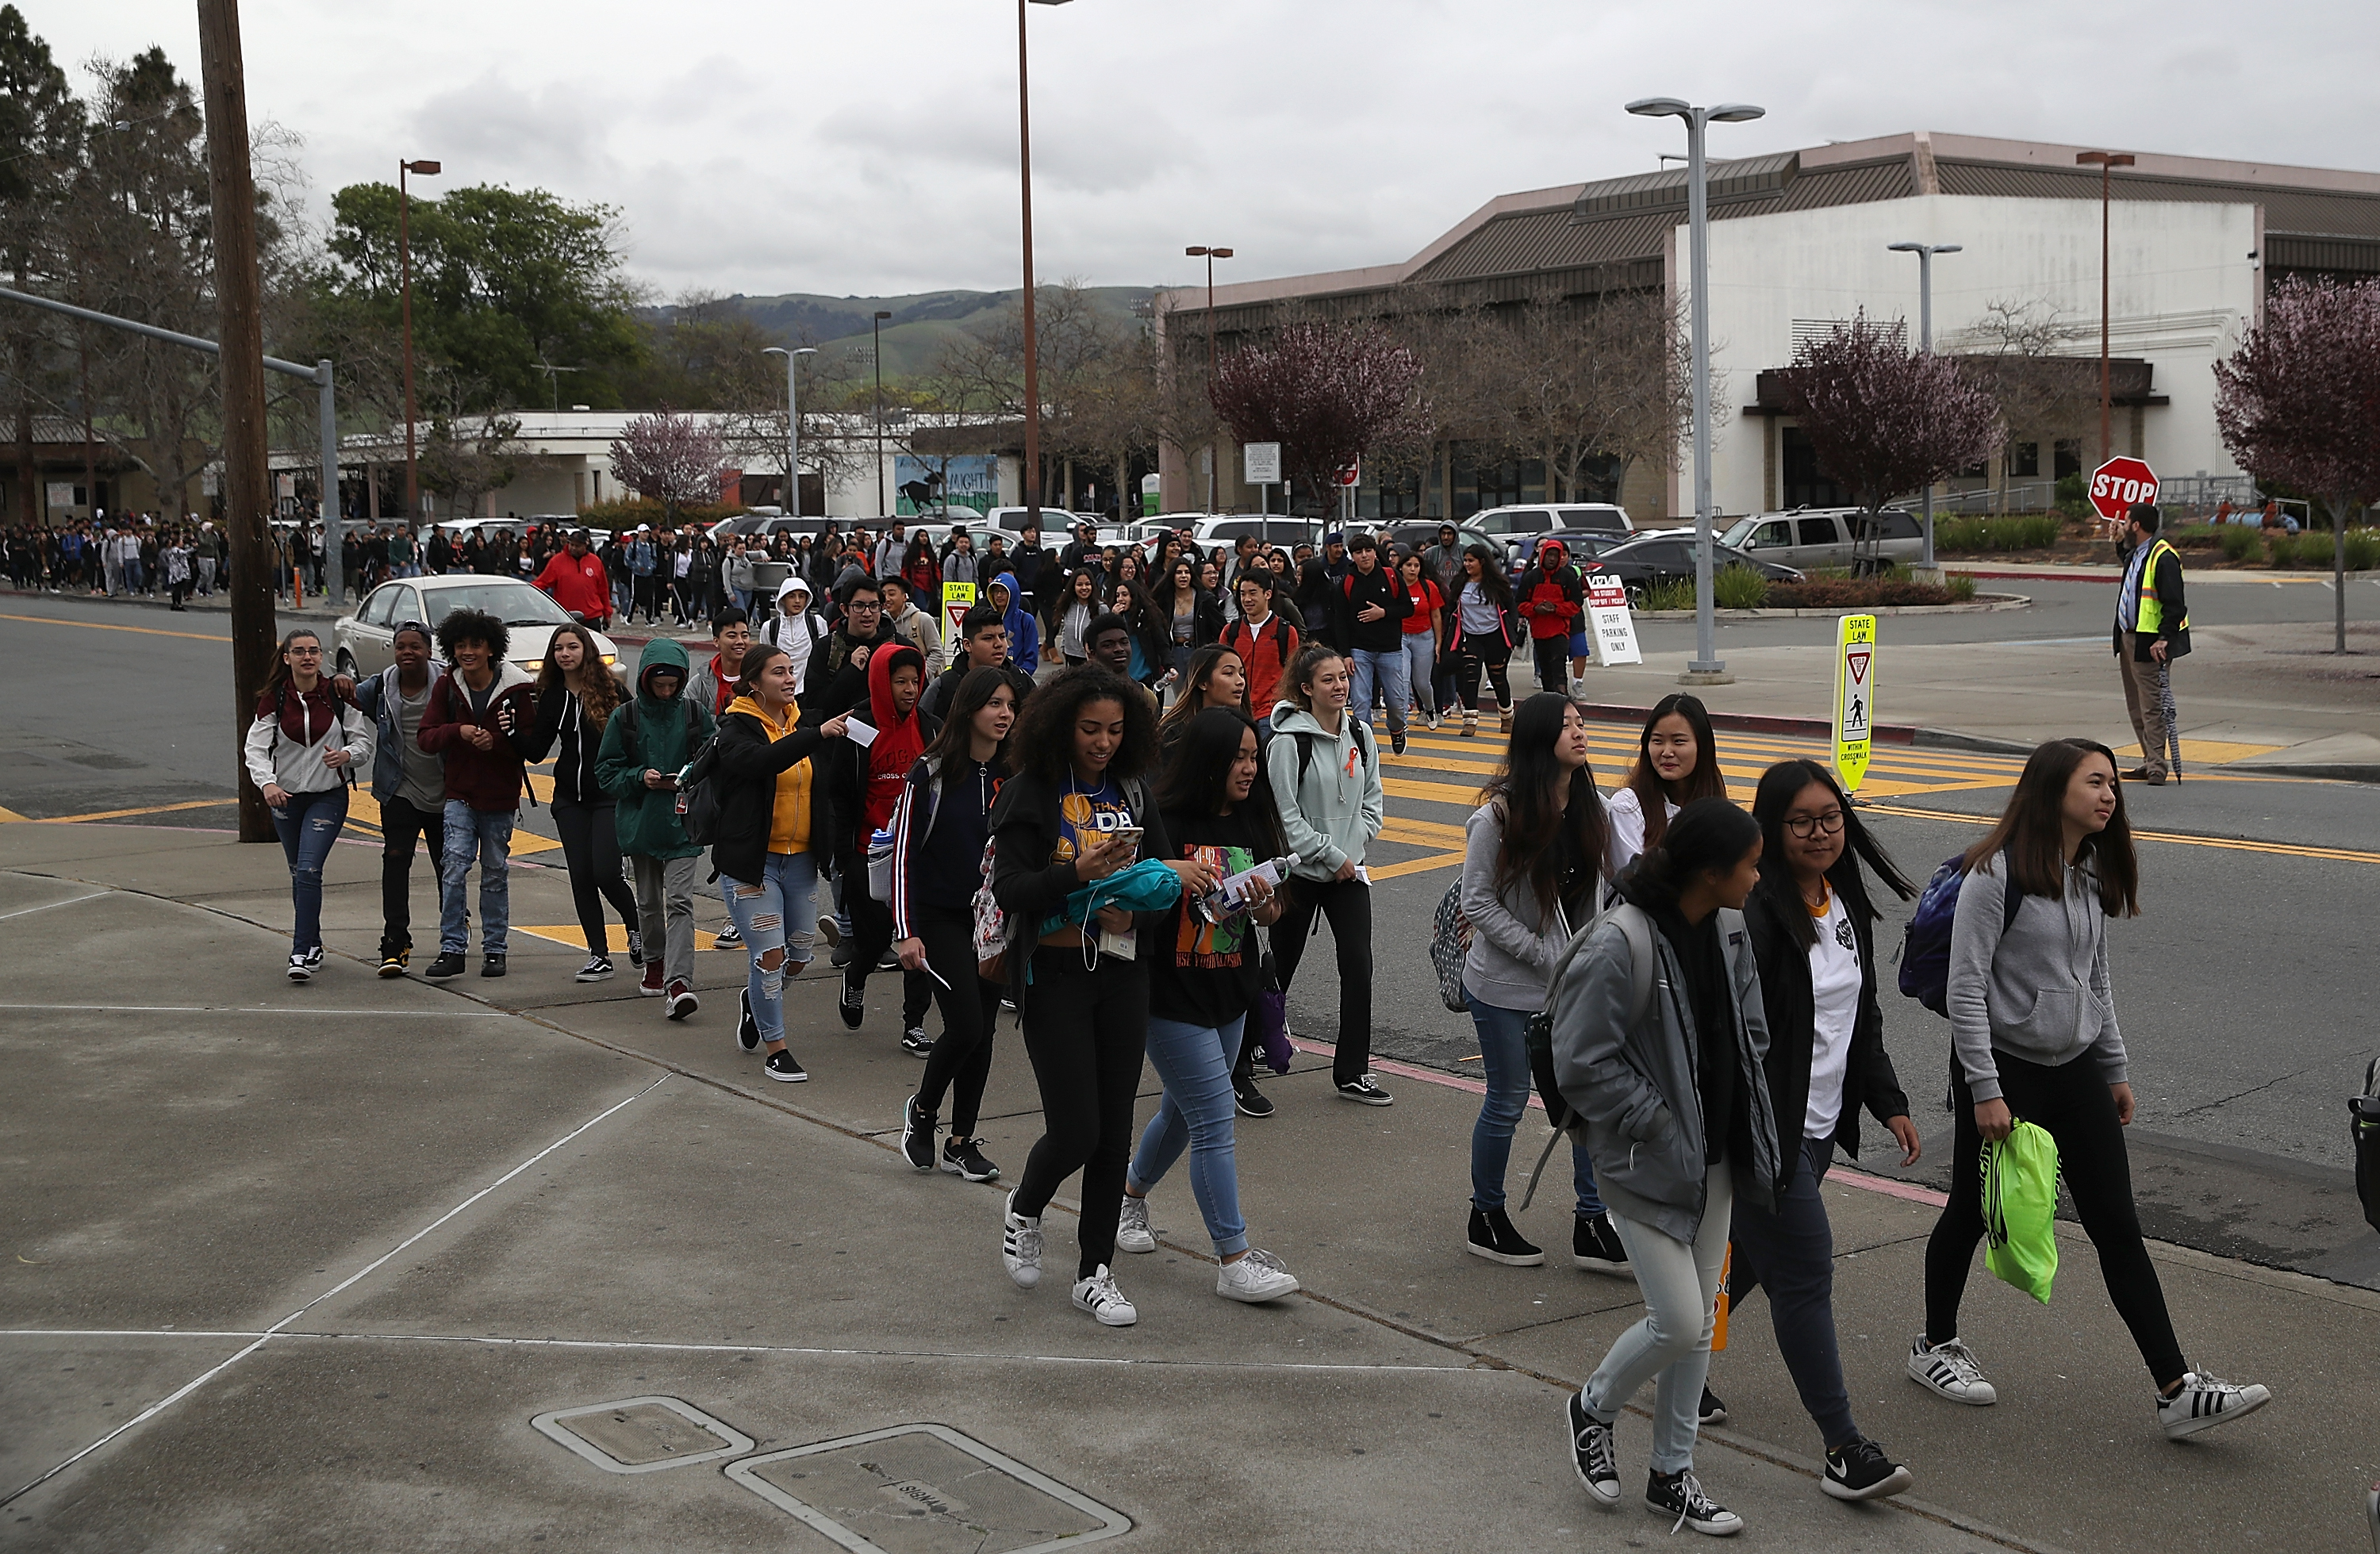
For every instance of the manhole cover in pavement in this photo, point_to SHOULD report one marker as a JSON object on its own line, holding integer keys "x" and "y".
{"x": 641, "y": 1435}
{"x": 925, "y": 1489}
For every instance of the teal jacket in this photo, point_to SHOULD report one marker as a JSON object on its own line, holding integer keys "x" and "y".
{"x": 657, "y": 735}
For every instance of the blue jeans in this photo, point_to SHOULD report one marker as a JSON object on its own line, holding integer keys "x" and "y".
{"x": 308, "y": 825}
{"x": 1194, "y": 1062}
{"x": 488, "y": 836}
{"x": 1389, "y": 671}
{"x": 774, "y": 913}
{"x": 1421, "y": 648}
{"x": 1503, "y": 1052}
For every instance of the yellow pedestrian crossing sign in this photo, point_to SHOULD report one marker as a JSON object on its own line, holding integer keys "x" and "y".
{"x": 1854, "y": 697}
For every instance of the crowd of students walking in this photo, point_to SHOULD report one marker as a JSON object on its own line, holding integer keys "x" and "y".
{"x": 1692, "y": 987}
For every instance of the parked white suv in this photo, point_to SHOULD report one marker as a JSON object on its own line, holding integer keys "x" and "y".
{"x": 1814, "y": 537}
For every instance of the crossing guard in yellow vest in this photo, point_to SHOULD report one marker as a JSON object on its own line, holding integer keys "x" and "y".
{"x": 2151, "y": 630}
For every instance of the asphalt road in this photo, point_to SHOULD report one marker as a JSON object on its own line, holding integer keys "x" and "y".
{"x": 2243, "y": 988}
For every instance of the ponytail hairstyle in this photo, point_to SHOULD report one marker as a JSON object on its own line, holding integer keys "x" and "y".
{"x": 1551, "y": 823}
{"x": 1706, "y": 781}
{"x": 1780, "y": 786}
{"x": 1709, "y": 835}
{"x": 268, "y": 699}
{"x": 2032, "y": 830}
{"x": 1296, "y": 686}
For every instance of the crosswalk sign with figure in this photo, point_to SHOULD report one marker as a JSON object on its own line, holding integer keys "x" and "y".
{"x": 1854, "y": 697}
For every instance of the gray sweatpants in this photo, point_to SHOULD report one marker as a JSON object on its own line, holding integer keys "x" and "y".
{"x": 665, "y": 911}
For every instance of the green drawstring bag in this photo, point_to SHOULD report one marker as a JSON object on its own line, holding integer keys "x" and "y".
{"x": 2020, "y": 1209}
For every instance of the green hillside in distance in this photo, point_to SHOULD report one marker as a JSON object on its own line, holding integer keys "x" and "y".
{"x": 912, "y": 335}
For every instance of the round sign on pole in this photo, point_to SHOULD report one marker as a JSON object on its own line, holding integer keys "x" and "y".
{"x": 2119, "y": 483}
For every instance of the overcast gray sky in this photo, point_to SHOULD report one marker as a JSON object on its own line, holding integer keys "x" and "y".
{"x": 872, "y": 147}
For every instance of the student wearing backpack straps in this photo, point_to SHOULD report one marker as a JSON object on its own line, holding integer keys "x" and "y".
{"x": 1531, "y": 866}
{"x": 2034, "y": 1034}
{"x": 646, "y": 743}
{"x": 1679, "y": 1119}
{"x": 576, "y": 696}
{"x": 1814, "y": 935}
{"x": 302, "y": 752}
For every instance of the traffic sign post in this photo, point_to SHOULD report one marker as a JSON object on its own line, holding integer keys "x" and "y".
{"x": 2119, "y": 483}
{"x": 1608, "y": 625}
{"x": 957, "y": 599}
{"x": 1854, "y": 697}
{"x": 1260, "y": 464}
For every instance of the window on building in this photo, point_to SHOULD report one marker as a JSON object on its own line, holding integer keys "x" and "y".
{"x": 1389, "y": 495}
{"x": 2023, "y": 458}
{"x": 1478, "y": 487}
{"x": 1805, "y": 487}
{"x": 2067, "y": 457}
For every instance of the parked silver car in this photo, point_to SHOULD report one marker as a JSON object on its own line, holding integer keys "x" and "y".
{"x": 359, "y": 643}
{"x": 1816, "y": 537}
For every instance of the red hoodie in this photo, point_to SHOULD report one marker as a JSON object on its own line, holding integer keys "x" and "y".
{"x": 899, "y": 741}
{"x": 1550, "y": 592}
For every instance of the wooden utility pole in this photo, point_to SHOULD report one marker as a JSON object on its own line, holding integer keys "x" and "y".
{"x": 246, "y": 493}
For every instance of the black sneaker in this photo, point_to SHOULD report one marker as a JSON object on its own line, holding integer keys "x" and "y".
{"x": 1710, "y": 1411}
{"x": 1590, "y": 1445}
{"x": 394, "y": 962}
{"x": 1366, "y": 1091}
{"x": 728, "y": 937}
{"x": 780, "y": 1064}
{"x": 854, "y": 1006}
{"x": 597, "y": 969}
{"x": 636, "y": 947}
{"x": 1595, "y": 1244}
{"x": 448, "y": 964}
{"x": 300, "y": 970}
{"x": 887, "y": 961}
{"x": 1682, "y": 1497}
{"x": 917, "y": 1136}
{"x": 840, "y": 957}
{"x": 1253, "y": 1101}
{"x": 916, "y": 1042}
{"x": 748, "y": 1029}
{"x": 1397, "y": 740}
{"x": 1860, "y": 1471}
{"x": 831, "y": 931}
{"x": 1492, "y": 1236}
{"x": 965, "y": 1157}
{"x": 492, "y": 966}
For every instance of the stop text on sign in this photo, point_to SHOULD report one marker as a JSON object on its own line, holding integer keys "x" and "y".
{"x": 2119, "y": 483}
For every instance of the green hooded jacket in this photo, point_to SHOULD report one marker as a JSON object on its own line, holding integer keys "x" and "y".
{"x": 666, "y": 735}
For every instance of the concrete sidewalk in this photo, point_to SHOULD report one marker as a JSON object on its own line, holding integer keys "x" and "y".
{"x": 359, "y": 1239}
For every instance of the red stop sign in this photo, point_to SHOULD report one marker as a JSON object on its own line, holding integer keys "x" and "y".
{"x": 2119, "y": 483}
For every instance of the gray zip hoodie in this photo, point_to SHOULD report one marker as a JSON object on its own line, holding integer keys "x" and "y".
{"x": 1331, "y": 815}
{"x": 2041, "y": 992}
{"x": 1513, "y": 952}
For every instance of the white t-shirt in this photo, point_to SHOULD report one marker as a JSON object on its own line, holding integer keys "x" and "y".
{"x": 1626, "y": 814}
{"x": 1835, "y": 988}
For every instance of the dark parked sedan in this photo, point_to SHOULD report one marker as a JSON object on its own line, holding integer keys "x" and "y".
{"x": 1658, "y": 558}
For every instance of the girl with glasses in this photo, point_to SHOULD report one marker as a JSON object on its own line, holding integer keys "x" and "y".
{"x": 302, "y": 751}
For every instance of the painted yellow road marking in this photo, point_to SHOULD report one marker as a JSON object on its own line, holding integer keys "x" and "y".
{"x": 2229, "y": 844}
{"x": 120, "y": 814}
{"x": 571, "y": 935}
{"x": 105, "y": 626}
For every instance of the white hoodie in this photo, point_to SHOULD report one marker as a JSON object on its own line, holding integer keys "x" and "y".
{"x": 298, "y": 766}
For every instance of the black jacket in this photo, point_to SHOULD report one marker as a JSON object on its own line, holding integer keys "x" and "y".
{"x": 1030, "y": 888}
{"x": 1381, "y": 586}
{"x": 578, "y": 784}
{"x": 747, "y": 762}
{"x": 839, "y": 685}
{"x": 1791, "y": 1005}
{"x": 843, "y": 776}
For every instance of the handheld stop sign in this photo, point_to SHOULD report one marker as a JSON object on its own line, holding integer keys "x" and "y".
{"x": 1854, "y": 697}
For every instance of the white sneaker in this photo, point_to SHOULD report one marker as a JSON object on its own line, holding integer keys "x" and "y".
{"x": 1098, "y": 1295}
{"x": 2205, "y": 1401}
{"x": 1020, "y": 1247}
{"x": 1133, "y": 1233}
{"x": 1257, "y": 1278}
{"x": 1950, "y": 1370}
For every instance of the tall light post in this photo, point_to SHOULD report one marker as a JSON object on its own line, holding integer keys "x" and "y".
{"x": 405, "y": 272}
{"x": 876, "y": 326}
{"x": 1209, "y": 255}
{"x": 1032, "y": 471}
{"x": 794, "y": 428}
{"x": 2106, "y": 162}
{"x": 1925, "y": 252}
{"x": 1705, "y": 669}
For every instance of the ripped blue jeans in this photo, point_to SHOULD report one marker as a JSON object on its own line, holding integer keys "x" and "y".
{"x": 308, "y": 825}
{"x": 774, "y": 912}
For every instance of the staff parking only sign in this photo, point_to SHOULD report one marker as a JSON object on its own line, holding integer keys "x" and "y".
{"x": 1854, "y": 697}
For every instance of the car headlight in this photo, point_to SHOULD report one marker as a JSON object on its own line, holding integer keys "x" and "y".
{"x": 532, "y": 665}
{"x": 611, "y": 659}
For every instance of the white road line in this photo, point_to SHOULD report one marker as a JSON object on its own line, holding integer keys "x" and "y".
{"x": 29, "y": 910}
{"x": 374, "y": 1266}
{"x": 309, "y": 1010}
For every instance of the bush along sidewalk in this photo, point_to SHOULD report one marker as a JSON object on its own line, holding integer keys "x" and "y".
{"x": 1737, "y": 587}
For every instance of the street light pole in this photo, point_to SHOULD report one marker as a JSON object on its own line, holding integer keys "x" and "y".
{"x": 876, "y": 326}
{"x": 405, "y": 272}
{"x": 1925, "y": 252}
{"x": 1032, "y": 470}
{"x": 1705, "y": 669}
{"x": 2106, "y": 162}
{"x": 1209, "y": 255}
{"x": 794, "y": 427}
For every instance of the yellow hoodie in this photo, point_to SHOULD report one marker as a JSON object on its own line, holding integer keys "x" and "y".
{"x": 789, "y": 823}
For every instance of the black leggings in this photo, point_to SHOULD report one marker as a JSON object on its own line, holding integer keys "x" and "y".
{"x": 1552, "y": 655}
{"x": 590, "y": 846}
{"x": 1466, "y": 679}
{"x": 1347, "y": 904}
{"x": 872, "y": 935}
{"x": 400, "y": 824}
{"x": 961, "y": 1061}
{"x": 1087, "y": 1032}
{"x": 2074, "y": 1102}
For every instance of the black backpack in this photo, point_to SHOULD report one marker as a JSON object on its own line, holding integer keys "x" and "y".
{"x": 1306, "y": 746}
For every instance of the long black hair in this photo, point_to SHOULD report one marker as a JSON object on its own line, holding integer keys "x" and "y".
{"x": 1042, "y": 742}
{"x": 1780, "y": 786}
{"x": 1709, "y": 835}
{"x": 955, "y": 739}
{"x": 1706, "y": 781}
{"x": 1195, "y": 775}
{"x": 1545, "y": 836}
{"x": 1192, "y": 698}
{"x": 1492, "y": 581}
{"x": 2032, "y": 830}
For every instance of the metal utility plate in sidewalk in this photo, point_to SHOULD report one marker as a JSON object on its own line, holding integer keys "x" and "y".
{"x": 925, "y": 1489}
{"x": 643, "y": 1435}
